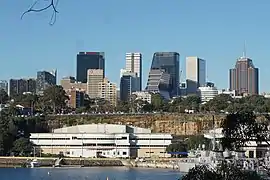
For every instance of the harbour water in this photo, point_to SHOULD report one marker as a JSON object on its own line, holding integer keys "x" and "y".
{"x": 93, "y": 173}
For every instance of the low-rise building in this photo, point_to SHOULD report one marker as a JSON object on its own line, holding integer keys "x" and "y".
{"x": 76, "y": 98}
{"x": 207, "y": 93}
{"x": 143, "y": 95}
{"x": 70, "y": 83}
{"x": 103, "y": 140}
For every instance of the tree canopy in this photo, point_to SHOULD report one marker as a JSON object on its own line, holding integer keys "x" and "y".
{"x": 240, "y": 127}
{"x": 224, "y": 172}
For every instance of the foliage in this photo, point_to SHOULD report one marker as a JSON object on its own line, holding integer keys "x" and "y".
{"x": 54, "y": 99}
{"x": 157, "y": 102}
{"x": 22, "y": 147}
{"x": 193, "y": 142}
{"x": 177, "y": 147}
{"x": 219, "y": 103}
{"x": 3, "y": 96}
{"x": 224, "y": 172}
{"x": 15, "y": 132}
{"x": 240, "y": 127}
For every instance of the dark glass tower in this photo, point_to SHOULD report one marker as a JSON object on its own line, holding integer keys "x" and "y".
{"x": 244, "y": 78}
{"x": 89, "y": 60}
{"x": 45, "y": 79}
{"x": 168, "y": 62}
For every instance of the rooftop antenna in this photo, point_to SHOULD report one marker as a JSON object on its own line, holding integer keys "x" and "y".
{"x": 245, "y": 51}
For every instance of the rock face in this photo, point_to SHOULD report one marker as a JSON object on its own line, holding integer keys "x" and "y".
{"x": 177, "y": 124}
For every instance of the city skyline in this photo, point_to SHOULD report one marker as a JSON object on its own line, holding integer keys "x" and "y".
{"x": 196, "y": 73}
{"x": 31, "y": 45}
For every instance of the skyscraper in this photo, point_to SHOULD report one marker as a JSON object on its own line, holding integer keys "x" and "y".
{"x": 244, "y": 78}
{"x": 168, "y": 62}
{"x": 134, "y": 65}
{"x": 94, "y": 76}
{"x": 159, "y": 82}
{"x": 195, "y": 73}
{"x": 45, "y": 79}
{"x": 89, "y": 60}
{"x": 128, "y": 83}
{"x": 107, "y": 91}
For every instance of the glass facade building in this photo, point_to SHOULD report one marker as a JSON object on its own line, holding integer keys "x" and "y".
{"x": 89, "y": 60}
{"x": 45, "y": 79}
{"x": 159, "y": 82}
{"x": 195, "y": 74}
{"x": 167, "y": 62}
{"x": 128, "y": 84}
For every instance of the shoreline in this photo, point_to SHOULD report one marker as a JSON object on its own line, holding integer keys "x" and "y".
{"x": 24, "y": 162}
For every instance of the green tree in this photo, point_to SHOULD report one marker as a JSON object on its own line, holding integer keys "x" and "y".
{"x": 177, "y": 147}
{"x": 123, "y": 106}
{"x": 219, "y": 103}
{"x": 54, "y": 99}
{"x": 191, "y": 102}
{"x": 3, "y": 96}
{"x": 157, "y": 101}
{"x": 224, "y": 171}
{"x": 22, "y": 147}
{"x": 240, "y": 127}
{"x": 193, "y": 142}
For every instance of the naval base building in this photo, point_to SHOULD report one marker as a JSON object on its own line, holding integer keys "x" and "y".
{"x": 103, "y": 140}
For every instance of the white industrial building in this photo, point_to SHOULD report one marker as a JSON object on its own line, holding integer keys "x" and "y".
{"x": 103, "y": 140}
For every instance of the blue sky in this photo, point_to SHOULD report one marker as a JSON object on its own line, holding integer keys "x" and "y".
{"x": 211, "y": 29}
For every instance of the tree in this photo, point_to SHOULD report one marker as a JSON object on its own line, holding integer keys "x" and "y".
{"x": 192, "y": 102}
{"x": 219, "y": 103}
{"x": 54, "y": 99}
{"x": 157, "y": 101}
{"x": 22, "y": 147}
{"x": 240, "y": 127}
{"x": 201, "y": 173}
{"x": 224, "y": 171}
{"x": 51, "y": 4}
{"x": 3, "y": 96}
{"x": 177, "y": 147}
{"x": 193, "y": 142}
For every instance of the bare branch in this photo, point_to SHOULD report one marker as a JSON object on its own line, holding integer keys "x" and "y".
{"x": 53, "y": 5}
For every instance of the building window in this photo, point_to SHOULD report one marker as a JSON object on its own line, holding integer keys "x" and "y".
{"x": 124, "y": 153}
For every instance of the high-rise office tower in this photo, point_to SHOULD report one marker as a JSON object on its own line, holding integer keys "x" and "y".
{"x": 45, "y": 79}
{"x": 134, "y": 65}
{"x": 195, "y": 73}
{"x": 4, "y": 85}
{"x": 167, "y": 62}
{"x": 128, "y": 83}
{"x": 94, "y": 76}
{"x": 244, "y": 78}
{"x": 89, "y": 60}
{"x": 159, "y": 82}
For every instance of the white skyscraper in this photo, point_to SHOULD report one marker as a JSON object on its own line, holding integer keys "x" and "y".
{"x": 134, "y": 64}
{"x": 195, "y": 73}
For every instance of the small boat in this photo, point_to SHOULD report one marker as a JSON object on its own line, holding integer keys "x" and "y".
{"x": 34, "y": 163}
